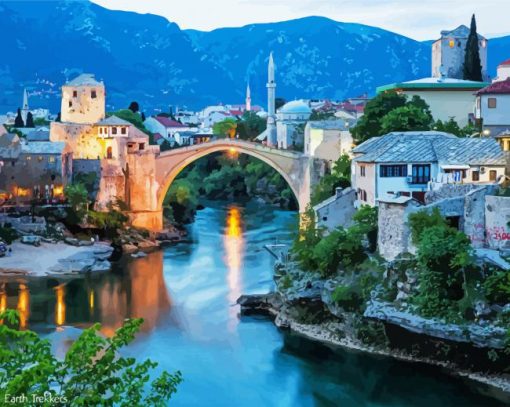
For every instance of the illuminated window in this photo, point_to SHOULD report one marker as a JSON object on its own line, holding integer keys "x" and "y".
{"x": 51, "y": 159}
{"x": 29, "y": 158}
{"x": 507, "y": 146}
{"x": 451, "y": 43}
{"x": 40, "y": 158}
{"x": 492, "y": 103}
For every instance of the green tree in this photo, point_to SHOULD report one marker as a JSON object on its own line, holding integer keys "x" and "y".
{"x": 134, "y": 107}
{"x": 165, "y": 146}
{"x": 369, "y": 125}
{"x": 18, "y": 121}
{"x": 77, "y": 196}
{"x": 339, "y": 177}
{"x": 366, "y": 224}
{"x": 472, "y": 64}
{"x": 93, "y": 371}
{"x": 307, "y": 238}
{"x": 30, "y": 120}
{"x": 250, "y": 125}
{"x": 406, "y": 118}
{"x": 225, "y": 128}
{"x": 134, "y": 118}
{"x": 321, "y": 115}
{"x": 181, "y": 201}
{"x": 452, "y": 127}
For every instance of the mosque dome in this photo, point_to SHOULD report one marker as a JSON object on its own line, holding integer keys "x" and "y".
{"x": 296, "y": 107}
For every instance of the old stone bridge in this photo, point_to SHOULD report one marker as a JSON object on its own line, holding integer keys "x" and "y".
{"x": 300, "y": 171}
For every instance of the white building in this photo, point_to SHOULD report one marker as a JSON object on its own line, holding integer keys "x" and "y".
{"x": 503, "y": 71}
{"x": 411, "y": 163}
{"x": 187, "y": 117}
{"x": 493, "y": 107}
{"x": 446, "y": 97}
{"x": 328, "y": 139}
{"x": 289, "y": 118}
{"x": 165, "y": 126}
{"x": 448, "y": 53}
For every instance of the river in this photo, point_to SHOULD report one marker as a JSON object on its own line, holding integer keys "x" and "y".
{"x": 186, "y": 293}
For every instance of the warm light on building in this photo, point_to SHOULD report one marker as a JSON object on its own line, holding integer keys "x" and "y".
{"x": 60, "y": 306}
{"x": 22, "y": 192}
{"x": 91, "y": 301}
{"x": 58, "y": 190}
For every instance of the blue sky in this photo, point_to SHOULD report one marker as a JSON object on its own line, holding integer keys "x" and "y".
{"x": 419, "y": 19}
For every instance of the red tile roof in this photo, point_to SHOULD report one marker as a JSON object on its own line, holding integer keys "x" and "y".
{"x": 501, "y": 87}
{"x": 505, "y": 63}
{"x": 167, "y": 122}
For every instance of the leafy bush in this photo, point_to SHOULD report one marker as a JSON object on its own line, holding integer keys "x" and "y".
{"x": 8, "y": 234}
{"x": 366, "y": 222}
{"x": 497, "y": 287}
{"x": 307, "y": 238}
{"x": 76, "y": 195}
{"x": 93, "y": 372}
{"x": 108, "y": 221}
{"x": 346, "y": 297}
{"x": 422, "y": 220}
{"x": 340, "y": 177}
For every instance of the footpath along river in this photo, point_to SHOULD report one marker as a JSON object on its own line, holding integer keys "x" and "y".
{"x": 187, "y": 295}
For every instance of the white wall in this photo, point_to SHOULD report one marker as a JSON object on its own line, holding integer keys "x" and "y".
{"x": 447, "y": 103}
{"x": 499, "y": 116}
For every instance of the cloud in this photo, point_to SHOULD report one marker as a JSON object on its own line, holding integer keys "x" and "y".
{"x": 419, "y": 19}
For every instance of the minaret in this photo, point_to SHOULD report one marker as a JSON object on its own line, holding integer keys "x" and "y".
{"x": 248, "y": 98}
{"x": 271, "y": 92}
{"x": 25, "y": 109}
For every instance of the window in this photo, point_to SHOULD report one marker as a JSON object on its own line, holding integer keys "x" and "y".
{"x": 388, "y": 171}
{"x": 451, "y": 43}
{"x": 100, "y": 130}
{"x": 362, "y": 171}
{"x": 362, "y": 195}
{"x": 491, "y": 103}
{"x": 29, "y": 158}
{"x": 493, "y": 175}
{"x": 75, "y": 93}
{"x": 141, "y": 146}
{"x": 109, "y": 153}
{"x": 70, "y": 104}
{"x": 40, "y": 158}
{"x": 114, "y": 130}
{"x": 51, "y": 159}
{"x": 421, "y": 173}
{"x": 475, "y": 175}
{"x": 93, "y": 94}
{"x": 123, "y": 130}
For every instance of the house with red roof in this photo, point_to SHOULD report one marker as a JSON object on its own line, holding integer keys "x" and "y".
{"x": 165, "y": 126}
{"x": 493, "y": 109}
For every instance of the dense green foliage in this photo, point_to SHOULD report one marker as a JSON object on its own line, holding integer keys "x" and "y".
{"x": 92, "y": 373}
{"x": 406, "y": 118}
{"x": 250, "y": 126}
{"x": 226, "y": 128}
{"x": 76, "y": 195}
{"x": 108, "y": 221}
{"x": 452, "y": 127}
{"x": 445, "y": 258}
{"x": 340, "y": 249}
{"x": 415, "y": 116}
{"x": 340, "y": 176}
{"x": 366, "y": 224}
{"x": 322, "y": 115}
{"x": 497, "y": 287}
{"x": 8, "y": 234}
{"x": 472, "y": 64}
{"x": 181, "y": 201}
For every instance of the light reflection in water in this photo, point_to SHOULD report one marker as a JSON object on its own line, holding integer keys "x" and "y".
{"x": 233, "y": 243}
{"x": 23, "y": 305}
{"x": 60, "y": 305}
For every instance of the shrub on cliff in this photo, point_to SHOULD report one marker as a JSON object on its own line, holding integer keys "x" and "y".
{"x": 8, "y": 234}
{"x": 93, "y": 372}
{"x": 497, "y": 287}
{"x": 340, "y": 177}
{"x": 365, "y": 221}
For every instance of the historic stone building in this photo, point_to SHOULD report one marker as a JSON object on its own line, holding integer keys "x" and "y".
{"x": 448, "y": 53}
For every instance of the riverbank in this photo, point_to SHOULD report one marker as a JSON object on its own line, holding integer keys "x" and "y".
{"x": 336, "y": 332}
{"x": 55, "y": 258}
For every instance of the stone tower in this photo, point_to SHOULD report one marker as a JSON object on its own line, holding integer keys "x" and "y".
{"x": 271, "y": 101}
{"x": 25, "y": 109}
{"x": 448, "y": 53}
{"x": 248, "y": 98}
{"x": 83, "y": 100}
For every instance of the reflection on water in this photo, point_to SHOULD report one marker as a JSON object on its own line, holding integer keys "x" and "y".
{"x": 138, "y": 291}
{"x": 233, "y": 242}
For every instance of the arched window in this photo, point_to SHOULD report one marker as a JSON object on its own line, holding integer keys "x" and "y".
{"x": 109, "y": 153}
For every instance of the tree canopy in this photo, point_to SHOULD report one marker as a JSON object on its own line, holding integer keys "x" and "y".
{"x": 18, "y": 121}
{"x": 416, "y": 114}
{"x": 225, "y": 128}
{"x": 30, "y": 120}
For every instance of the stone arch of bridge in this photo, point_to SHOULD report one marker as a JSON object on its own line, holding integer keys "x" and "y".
{"x": 175, "y": 166}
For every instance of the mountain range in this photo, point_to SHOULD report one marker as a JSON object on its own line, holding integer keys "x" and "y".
{"x": 146, "y": 58}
